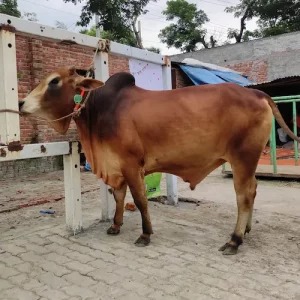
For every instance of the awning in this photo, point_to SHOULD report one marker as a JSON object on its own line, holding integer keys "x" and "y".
{"x": 199, "y": 75}
{"x": 203, "y": 73}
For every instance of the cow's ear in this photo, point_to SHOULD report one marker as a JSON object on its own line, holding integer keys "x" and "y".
{"x": 89, "y": 84}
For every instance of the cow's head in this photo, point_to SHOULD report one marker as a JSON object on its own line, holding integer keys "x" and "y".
{"x": 53, "y": 98}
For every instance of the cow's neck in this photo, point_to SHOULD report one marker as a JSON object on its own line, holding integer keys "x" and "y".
{"x": 85, "y": 139}
{"x": 88, "y": 137}
{"x": 102, "y": 160}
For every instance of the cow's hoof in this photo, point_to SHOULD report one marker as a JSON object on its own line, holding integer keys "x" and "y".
{"x": 247, "y": 230}
{"x": 113, "y": 230}
{"x": 142, "y": 241}
{"x": 228, "y": 249}
{"x": 223, "y": 247}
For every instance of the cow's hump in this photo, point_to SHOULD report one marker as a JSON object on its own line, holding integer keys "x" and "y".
{"x": 119, "y": 81}
{"x": 102, "y": 113}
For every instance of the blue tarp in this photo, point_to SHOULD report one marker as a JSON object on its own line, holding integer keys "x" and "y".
{"x": 199, "y": 76}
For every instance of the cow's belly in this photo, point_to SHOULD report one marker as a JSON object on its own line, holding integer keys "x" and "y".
{"x": 192, "y": 163}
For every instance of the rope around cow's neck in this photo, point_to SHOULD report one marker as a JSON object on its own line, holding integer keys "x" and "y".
{"x": 75, "y": 113}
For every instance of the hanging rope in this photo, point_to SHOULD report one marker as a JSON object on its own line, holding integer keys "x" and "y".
{"x": 9, "y": 110}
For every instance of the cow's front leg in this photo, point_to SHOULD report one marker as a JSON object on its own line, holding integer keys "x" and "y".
{"x": 135, "y": 180}
{"x": 119, "y": 196}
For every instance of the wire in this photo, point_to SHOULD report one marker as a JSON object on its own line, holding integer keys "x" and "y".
{"x": 49, "y": 7}
{"x": 214, "y": 3}
{"x": 157, "y": 18}
{"x": 73, "y": 26}
{"x": 160, "y": 20}
{"x": 227, "y": 2}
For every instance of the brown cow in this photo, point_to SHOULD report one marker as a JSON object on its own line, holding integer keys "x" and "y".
{"x": 128, "y": 132}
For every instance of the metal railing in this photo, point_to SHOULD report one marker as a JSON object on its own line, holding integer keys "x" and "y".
{"x": 273, "y": 170}
{"x": 273, "y": 145}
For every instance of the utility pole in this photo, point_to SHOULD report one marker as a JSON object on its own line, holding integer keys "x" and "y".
{"x": 98, "y": 30}
{"x": 140, "y": 33}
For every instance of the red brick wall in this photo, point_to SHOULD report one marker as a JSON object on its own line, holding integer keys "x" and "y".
{"x": 181, "y": 79}
{"x": 117, "y": 64}
{"x": 256, "y": 71}
{"x": 36, "y": 58}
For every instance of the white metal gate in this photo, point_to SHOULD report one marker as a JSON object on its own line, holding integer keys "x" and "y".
{"x": 9, "y": 122}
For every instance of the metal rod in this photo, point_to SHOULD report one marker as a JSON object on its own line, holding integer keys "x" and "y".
{"x": 98, "y": 30}
{"x": 273, "y": 147}
{"x": 286, "y": 97}
{"x": 26, "y": 28}
{"x": 287, "y": 101}
{"x": 295, "y": 132}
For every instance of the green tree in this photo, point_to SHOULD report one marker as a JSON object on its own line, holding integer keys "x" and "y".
{"x": 10, "y": 7}
{"x": 91, "y": 31}
{"x": 245, "y": 11}
{"x": 153, "y": 49}
{"x": 127, "y": 40}
{"x": 118, "y": 17}
{"x": 274, "y": 17}
{"x": 188, "y": 32}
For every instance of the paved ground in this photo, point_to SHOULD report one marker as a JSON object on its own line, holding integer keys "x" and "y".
{"x": 39, "y": 259}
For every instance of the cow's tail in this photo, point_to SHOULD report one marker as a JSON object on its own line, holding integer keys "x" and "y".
{"x": 280, "y": 119}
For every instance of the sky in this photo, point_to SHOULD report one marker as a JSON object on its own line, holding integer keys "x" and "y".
{"x": 50, "y": 11}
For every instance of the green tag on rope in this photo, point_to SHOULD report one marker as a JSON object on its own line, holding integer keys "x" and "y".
{"x": 77, "y": 99}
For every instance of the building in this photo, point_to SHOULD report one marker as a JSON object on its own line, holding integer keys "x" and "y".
{"x": 262, "y": 60}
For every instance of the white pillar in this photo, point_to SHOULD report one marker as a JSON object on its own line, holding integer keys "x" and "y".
{"x": 108, "y": 205}
{"x": 73, "y": 188}
{"x": 172, "y": 192}
{"x": 9, "y": 122}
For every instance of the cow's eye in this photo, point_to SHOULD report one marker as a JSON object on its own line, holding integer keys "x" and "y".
{"x": 54, "y": 81}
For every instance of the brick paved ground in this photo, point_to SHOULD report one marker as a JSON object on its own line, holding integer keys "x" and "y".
{"x": 39, "y": 259}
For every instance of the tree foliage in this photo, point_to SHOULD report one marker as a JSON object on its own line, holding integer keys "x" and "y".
{"x": 91, "y": 31}
{"x": 153, "y": 49}
{"x": 10, "y": 7}
{"x": 187, "y": 32}
{"x": 117, "y": 17}
{"x": 274, "y": 17}
{"x": 127, "y": 40}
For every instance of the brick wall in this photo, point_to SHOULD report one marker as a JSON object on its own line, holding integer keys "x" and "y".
{"x": 117, "y": 64}
{"x": 36, "y": 58}
{"x": 257, "y": 70}
{"x": 182, "y": 79}
{"x": 26, "y": 167}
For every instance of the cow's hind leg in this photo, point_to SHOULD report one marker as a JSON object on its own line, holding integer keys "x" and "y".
{"x": 119, "y": 196}
{"x": 249, "y": 223}
{"x": 245, "y": 187}
{"x": 135, "y": 180}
